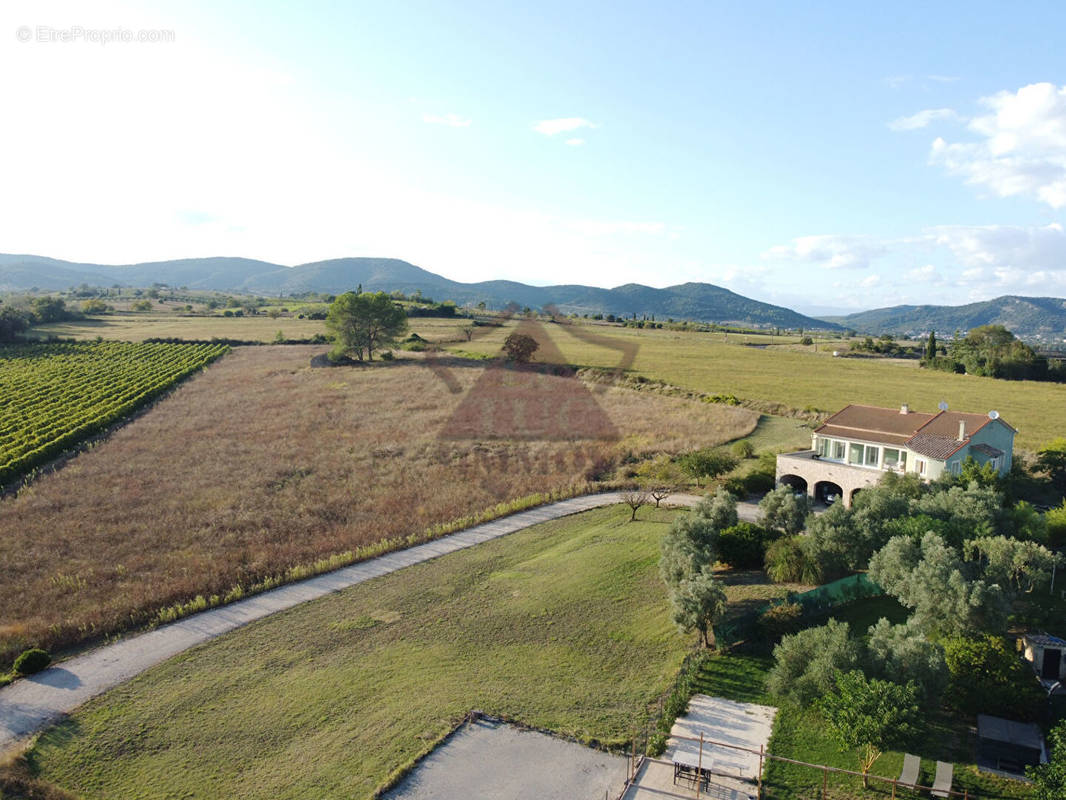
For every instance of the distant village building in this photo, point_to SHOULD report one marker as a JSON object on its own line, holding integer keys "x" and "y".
{"x": 858, "y": 444}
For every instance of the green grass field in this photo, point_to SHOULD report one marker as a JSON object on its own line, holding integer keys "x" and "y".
{"x": 808, "y": 377}
{"x": 785, "y": 373}
{"x": 564, "y": 626}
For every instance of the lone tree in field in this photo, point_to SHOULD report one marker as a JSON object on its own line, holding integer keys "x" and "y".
{"x": 930, "y": 347}
{"x": 660, "y": 478}
{"x": 706, "y": 464}
{"x": 635, "y": 499}
{"x": 363, "y": 323}
{"x": 519, "y": 347}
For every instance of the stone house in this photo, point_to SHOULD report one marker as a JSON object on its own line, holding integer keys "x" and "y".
{"x": 858, "y": 444}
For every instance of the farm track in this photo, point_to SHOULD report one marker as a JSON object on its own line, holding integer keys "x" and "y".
{"x": 31, "y": 704}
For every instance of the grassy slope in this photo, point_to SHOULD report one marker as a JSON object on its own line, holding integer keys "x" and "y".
{"x": 564, "y": 626}
{"x": 708, "y": 362}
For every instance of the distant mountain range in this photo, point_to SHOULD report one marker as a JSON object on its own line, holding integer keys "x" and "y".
{"x": 1034, "y": 318}
{"x": 701, "y": 302}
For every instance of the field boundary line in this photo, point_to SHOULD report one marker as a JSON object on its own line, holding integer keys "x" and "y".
{"x": 32, "y": 703}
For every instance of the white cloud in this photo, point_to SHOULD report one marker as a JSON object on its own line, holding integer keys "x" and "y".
{"x": 870, "y": 281}
{"x": 1022, "y": 149}
{"x": 943, "y": 78}
{"x": 575, "y": 142}
{"x": 1000, "y": 246}
{"x": 924, "y": 274}
{"x": 922, "y": 119}
{"x": 451, "y": 120}
{"x": 831, "y": 251}
{"x": 552, "y": 127}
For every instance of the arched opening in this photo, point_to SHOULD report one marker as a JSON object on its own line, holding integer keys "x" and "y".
{"x": 827, "y": 492}
{"x": 854, "y": 494}
{"x": 794, "y": 482}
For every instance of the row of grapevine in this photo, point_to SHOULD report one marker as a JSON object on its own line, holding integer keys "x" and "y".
{"x": 55, "y": 395}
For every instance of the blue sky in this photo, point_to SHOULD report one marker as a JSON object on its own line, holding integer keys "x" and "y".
{"x": 820, "y": 155}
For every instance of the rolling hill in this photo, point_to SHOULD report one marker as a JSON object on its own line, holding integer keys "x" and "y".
{"x": 1037, "y": 318}
{"x": 702, "y": 302}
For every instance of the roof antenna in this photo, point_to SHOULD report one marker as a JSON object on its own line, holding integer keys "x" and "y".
{"x": 942, "y": 405}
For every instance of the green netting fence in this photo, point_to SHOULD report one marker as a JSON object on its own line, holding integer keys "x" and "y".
{"x": 814, "y": 602}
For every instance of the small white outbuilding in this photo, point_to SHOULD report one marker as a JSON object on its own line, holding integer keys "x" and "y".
{"x": 1045, "y": 653}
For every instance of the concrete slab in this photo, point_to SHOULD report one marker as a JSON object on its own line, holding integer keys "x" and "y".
{"x": 489, "y": 760}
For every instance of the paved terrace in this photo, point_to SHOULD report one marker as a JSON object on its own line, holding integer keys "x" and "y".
{"x": 32, "y": 703}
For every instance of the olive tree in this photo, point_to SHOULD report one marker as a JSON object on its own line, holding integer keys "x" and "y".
{"x": 931, "y": 577}
{"x": 697, "y": 604}
{"x": 783, "y": 510}
{"x": 806, "y": 663}
{"x": 902, "y": 653}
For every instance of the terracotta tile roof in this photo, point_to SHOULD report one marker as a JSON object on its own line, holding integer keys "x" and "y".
{"x": 930, "y": 435}
{"x": 946, "y": 424}
{"x": 932, "y": 446}
{"x": 988, "y": 450}
{"x": 874, "y": 424}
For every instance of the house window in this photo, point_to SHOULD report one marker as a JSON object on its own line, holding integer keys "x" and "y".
{"x": 824, "y": 446}
{"x": 995, "y": 463}
{"x": 872, "y": 455}
{"x": 919, "y": 466}
{"x": 838, "y": 451}
{"x": 955, "y": 467}
{"x": 855, "y": 453}
{"x": 895, "y": 459}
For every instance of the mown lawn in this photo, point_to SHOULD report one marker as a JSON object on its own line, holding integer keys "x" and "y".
{"x": 564, "y": 626}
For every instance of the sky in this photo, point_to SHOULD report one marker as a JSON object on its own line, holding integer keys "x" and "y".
{"x": 825, "y": 156}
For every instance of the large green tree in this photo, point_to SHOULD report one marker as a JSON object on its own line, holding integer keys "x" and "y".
{"x": 871, "y": 715}
{"x": 931, "y": 577}
{"x": 806, "y": 663}
{"x": 363, "y": 323}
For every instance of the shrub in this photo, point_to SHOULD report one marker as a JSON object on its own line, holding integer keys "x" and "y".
{"x": 1056, "y": 525}
{"x": 806, "y": 340}
{"x": 758, "y": 482}
{"x": 743, "y": 545}
{"x": 743, "y": 449}
{"x": 736, "y": 486}
{"x": 31, "y": 661}
{"x": 781, "y": 620}
{"x": 787, "y": 561}
{"x": 987, "y": 677}
{"x": 386, "y": 355}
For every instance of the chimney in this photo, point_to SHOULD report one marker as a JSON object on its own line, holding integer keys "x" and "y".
{"x": 962, "y": 430}
{"x": 904, "y": 409}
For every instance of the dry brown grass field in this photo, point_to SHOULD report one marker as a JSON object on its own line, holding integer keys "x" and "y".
{"x": 264, "y": 462}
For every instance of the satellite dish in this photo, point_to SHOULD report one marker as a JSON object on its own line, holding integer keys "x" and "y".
{"x": 993, "y": 415}
{"x": 942, "y": 405}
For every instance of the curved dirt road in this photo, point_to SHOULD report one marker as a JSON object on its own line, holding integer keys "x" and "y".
{"x": 30, "y": 704}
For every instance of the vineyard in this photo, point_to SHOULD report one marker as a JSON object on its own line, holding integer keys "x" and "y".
{"x": 53, "y": 396}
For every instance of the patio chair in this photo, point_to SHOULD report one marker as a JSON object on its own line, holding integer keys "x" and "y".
{"x": 909, "y": 776}
{"x": 942, "y": 782}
